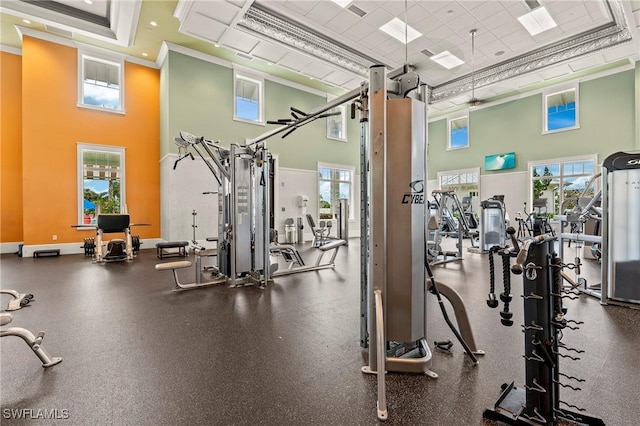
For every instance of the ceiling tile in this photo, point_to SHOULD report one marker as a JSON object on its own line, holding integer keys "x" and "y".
{"x": 203, "y": 27}
{"x": 317, "y": 69}
{"x": 374, "y": 39}
{"x": 378, "y": 17}
{"x": 464, "y": 24}
{"x": 323, "y": 12}
{"x": 294, "y": 61}
{"x": 338, "y": 78}
{"x": 517, "y": 8}
{"x": 416, "y": 13}
{"x": 488, "y": 10}
{"x": 270, "y": 52}
{"x": 219, "y": 10}
{"x": 556, "y": 71}
{"x": 360, "y": 31}
{"x": 342, "y": 21}
{"x": 301, "y": 7}
{"x": 563, "y": 14}
{"x": 620, "y": 52}
{"x": 527, "y": 80}
{"x": 396, "y": 8}
{"x": 239, "y": 40}
{"x": 586, "y": 62}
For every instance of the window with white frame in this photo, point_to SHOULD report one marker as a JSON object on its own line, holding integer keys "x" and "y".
{"x": 248, "y": 98}
{"x": 466, "y": 185}
{"x": 557, "y": 184}
{"x": 334, "y": 182}
{"x": 458, "y": 132}
{"x": 101, "y": 187}
{"x": 337, "y": 124}
{"x": 101, "y": 82}
{"x": 561, "y": 110}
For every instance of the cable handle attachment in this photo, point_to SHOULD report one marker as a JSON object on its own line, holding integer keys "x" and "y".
{"x": 524, "y": 253}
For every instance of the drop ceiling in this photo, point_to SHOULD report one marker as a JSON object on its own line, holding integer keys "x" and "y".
{"x": 324, "y": 43}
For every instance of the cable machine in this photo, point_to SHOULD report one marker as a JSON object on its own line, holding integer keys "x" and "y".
{"x": 621, "y": 228}
{"x": 395, "y": 274}
{"x": 245, "y": 214}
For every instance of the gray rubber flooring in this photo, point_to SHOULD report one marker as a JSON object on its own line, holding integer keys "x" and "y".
{"x": 136, "y": 353}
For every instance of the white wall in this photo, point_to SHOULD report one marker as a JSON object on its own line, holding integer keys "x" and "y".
{"x": 515, "y": 188}
{"x": 181, "y": 193}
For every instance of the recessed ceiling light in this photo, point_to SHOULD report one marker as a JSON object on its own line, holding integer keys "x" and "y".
{"x": 500, "y": 53}
{"x": 88, "y": 1}
{"x": 396, "y": 29}
{"x": 26, "y": 21}
{"x": 216, "y": 45}
{"x": 342, "y": 3}
{"x": 269, "y": 63}
{"x": 153, "y": 23}
{"x": 447, "y": 59}
{"x": 537, "y": 21}
{"x": 144, "y": 54}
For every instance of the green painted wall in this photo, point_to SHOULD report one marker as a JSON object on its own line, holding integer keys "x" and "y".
{"x": 199, "y": 99}
{"x": 607, "y": 125}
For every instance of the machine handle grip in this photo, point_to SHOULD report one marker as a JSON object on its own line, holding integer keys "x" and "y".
{"x": 524, "y": 252}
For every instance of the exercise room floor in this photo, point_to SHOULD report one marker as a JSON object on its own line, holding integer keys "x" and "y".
{"x": 136, "y": 353}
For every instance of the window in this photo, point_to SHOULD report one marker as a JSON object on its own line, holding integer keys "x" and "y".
{"x": 458, "y": 132}
{"x": 561, "y": 110}
{"x": 101, "y": 85}
{"x": 556, "y": 184}
{"x": 100, "y": 181}
{"x": 465, "y": 183}
{"x": 337, "y": 124}
{"x": 334, "y": 183}
{"x": 248, "y": 98}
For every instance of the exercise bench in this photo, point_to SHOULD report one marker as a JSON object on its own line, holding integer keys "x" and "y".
{"x": 162, "y": 249}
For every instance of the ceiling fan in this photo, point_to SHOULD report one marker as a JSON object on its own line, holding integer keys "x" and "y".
{"x": 473, "y": 102}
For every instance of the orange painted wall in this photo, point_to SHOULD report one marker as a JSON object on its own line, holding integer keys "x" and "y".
{"x": 10, "y": 148}
{"x": 52, "y": 125}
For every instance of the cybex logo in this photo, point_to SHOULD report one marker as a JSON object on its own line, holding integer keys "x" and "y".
{"x": 416, "y": 196}
{"x": 634, "y": 162}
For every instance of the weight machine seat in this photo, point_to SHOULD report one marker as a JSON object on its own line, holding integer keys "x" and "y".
{"x": 110, "y": 223}
{"x": 173, "y": 265}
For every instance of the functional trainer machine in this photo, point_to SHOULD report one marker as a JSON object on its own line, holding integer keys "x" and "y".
{"x": 538, "y": 401}
{"x": 243, "y": 176}
{"x": 394, "y": 284}
{"x": 621, "y": 229}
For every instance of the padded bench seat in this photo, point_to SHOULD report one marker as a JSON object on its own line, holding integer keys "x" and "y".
{"x": 162, "y": 249}
{"x": 173, "y": 265}
{"x": 46, "y": 253}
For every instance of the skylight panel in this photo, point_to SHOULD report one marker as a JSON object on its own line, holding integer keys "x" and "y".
{"x": 447, "y": 59}
{"x": 342, "y": 3}
{"x": 537, "y": 21}
{"x": 396, "y": 29}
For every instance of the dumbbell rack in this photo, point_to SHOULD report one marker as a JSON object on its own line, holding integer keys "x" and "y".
{"x": 538, "y": 401}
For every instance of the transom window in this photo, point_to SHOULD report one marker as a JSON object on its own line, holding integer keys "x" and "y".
{"x": 334, "y": 183}
{"x": 100, "y": 181}
{"x": 101, "y": 85}
{"x": 561, "y": 110}
{"x": 458, "y": 132}
{"x": 465, "y": 183}
{"x": 556, "y": 184}
{"x": 248, "y": 98}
